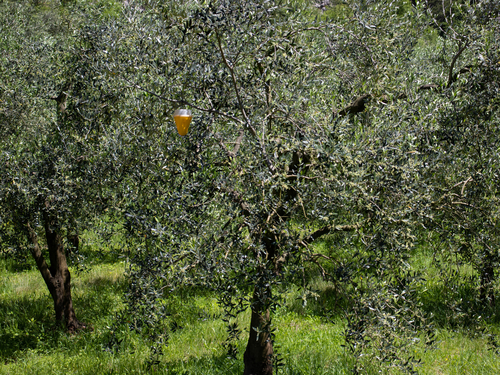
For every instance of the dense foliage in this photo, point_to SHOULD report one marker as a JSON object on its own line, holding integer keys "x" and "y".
{"x": 280, "y": 180}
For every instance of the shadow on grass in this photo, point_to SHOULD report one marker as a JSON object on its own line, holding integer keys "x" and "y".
{"x": 323, "y": 300}
{"x": 224, "y": 365}
{"x": 100, "y": 300}
{"x": 28, "y": 321}
{"x": 217, "y": 364}
{"x": 457, "y": 305}
{"x": 25, "y": 321}
{"x": 11, "y": 343}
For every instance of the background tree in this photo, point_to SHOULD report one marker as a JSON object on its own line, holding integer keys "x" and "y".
{"x": 461, "y": 148}
{"x": 56, "y": 120}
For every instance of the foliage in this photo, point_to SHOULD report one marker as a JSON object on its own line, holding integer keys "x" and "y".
{"x": 461, "y": 148}
{"x": 280, "y": 180}
{"x": 236, "y": 206}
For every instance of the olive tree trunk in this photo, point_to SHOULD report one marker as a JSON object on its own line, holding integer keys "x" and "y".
{"x": 258, "y": 357}
{"x": 259, "y": 351}
{"x": 56, "y": 276}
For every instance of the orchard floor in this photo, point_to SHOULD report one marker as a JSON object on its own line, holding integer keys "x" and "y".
{"x": 306, "y": 343}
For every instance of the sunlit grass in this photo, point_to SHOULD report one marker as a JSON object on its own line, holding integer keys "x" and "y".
{"x": 305, "y": 341}
{"x": 459, "y": 353}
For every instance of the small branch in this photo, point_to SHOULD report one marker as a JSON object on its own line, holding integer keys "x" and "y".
{"x": 464, "y": 204}
{"x": 181, "y": 102}
{"x": 82, "y": 116}
{"x": 463, "y": 187}
{"x": 62, "y": 97}
{"x": 294, "y": 32}
{"x": 458, "y": 184}
{"x": 428, "y": 86}
{"x": 237, "y": 143}
{"x": 330, "y": 229}
{"x": 317, "y": 255}
{"x": 324, "y": 274}
{"x": 357, "y": 106}
{"x": 235, "y": 85}
{"x": 290, "y": 176}
{"x": 222, "y": 145}
{"x": 302, "y": 205}
{"x": 313, "y": 258}
{"x": 465, "y": 69}
{"x": 240, "y": 103}
{"x": 37, "y": 254}
{"x": 461, "y": 47}
{"x": 236, "y": 197}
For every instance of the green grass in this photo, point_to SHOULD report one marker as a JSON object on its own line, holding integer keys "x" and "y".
{"x": 459, "y": 353}
{"x": 306, "y": 342}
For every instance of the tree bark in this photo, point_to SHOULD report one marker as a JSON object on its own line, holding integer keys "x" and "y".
{"x": 487, "y": 276}
{"x": 259, "y": 351}
{"x": 56, "y": 276}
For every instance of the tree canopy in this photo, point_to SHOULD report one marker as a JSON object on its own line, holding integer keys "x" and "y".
{"x": 331, "y": 142}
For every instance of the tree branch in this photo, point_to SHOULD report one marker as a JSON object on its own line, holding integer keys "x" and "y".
{"x": 238, "y": 143}
{"x": 357, "y": 106}
{"x": 235, "y": 85}
{"x": 37, "y": 254}
{"x": 240, "y": 103}
{"x": 236, "y": 197}
{"x": 428, "y": 86}
{"x": 181, "y": 102}
{"x": 330, "y": 229}
{"x": 461, "y": 47}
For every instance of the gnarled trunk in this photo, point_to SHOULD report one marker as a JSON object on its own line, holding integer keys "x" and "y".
{"x": 259, "y": 351}
{"x": 57, "y": 277}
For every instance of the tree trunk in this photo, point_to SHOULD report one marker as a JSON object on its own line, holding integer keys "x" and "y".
{"x": 487, "y": 294}
{"x": 259, "y": 352}
{"x": 57, "y": 277}
{"x": 258, "y": 357}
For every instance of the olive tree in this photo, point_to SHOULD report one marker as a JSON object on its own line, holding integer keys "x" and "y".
{"x": 277, "y": 160}
{"x": 461, "y": 142}
{"x": 56, "y": 148}
{"x": 270, "y": 165}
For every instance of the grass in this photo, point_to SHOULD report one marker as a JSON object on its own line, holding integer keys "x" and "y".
{"x": 458, "y": 353}
{"x": 306, "y": 342}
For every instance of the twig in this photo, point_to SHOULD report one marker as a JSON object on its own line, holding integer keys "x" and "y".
{"x": 238, "y": 143}
{"x": 463, "y": 187}
{"x": 304, "y": 177}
